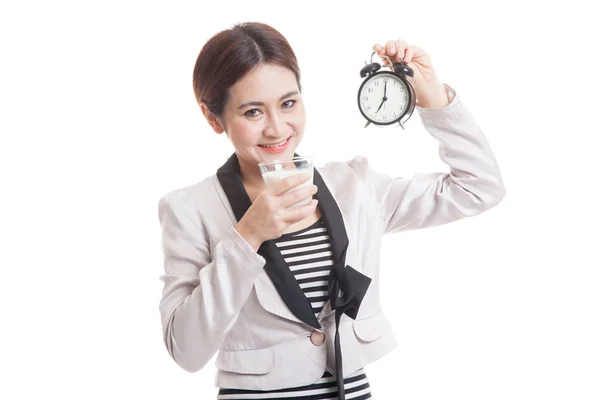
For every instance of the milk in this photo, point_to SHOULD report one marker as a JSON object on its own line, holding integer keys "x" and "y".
{"x": 271, "y": 177}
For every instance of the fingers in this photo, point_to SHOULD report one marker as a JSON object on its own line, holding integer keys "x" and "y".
{"x": 390, "y": 48}
{"x": 298, "y": 195}
{"x": 409, "y": 54}
{"x": 397, "y": 51}
{"x": 297, "y": 214}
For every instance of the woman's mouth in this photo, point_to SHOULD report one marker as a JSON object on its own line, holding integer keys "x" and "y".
{"x": 276, "y": 147}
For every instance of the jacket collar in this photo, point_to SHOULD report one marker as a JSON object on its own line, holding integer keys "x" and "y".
{"x": 276, "y": 268}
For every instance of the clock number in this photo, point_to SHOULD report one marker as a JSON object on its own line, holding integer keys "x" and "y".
{"x": 370, "y": 90}
{"x": 376, "y": 83}
{"x": 365, "y": 98}
{"x": 384, "y": 118}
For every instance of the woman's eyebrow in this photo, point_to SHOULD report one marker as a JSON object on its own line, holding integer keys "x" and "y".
{"x": 258, "y": 103}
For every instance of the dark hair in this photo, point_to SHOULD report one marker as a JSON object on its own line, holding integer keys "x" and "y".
{"x": 230, "y": 54}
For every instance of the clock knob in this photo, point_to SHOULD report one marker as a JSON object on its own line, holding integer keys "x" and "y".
{"x": 369, "y": 69}
{"x": 403, "y": 69}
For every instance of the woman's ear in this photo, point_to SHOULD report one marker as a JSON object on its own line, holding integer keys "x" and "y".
{"x": 212, "y": 118}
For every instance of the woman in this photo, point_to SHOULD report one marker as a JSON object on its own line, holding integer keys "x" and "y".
{"x": 288, "y": 297}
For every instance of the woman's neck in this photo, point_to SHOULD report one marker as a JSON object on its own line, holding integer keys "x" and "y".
{"x": 251, "y": 176}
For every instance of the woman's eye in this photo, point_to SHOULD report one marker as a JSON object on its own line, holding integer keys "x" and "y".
{"x": 251, "y": 113}
{"x": 255, "y": 112}
{"x": 291, "y": 103}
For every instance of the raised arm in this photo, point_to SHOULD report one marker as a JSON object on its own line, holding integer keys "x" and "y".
{"x": 472, "y": 185}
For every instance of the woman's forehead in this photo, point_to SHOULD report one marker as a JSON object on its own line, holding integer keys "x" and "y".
{"x": 264, "y": 84}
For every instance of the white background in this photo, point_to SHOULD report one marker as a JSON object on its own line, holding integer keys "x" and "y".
{"x": 98, "y": 120}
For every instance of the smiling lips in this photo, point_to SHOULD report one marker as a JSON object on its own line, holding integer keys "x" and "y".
{"x": 277, "y": 147}
{"x": 274, "y": 145}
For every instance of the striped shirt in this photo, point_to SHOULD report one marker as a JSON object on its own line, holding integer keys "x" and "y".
{"x": 307, "y": 252}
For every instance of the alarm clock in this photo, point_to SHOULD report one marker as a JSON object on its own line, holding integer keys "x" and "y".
{"x": 386, "y": 98}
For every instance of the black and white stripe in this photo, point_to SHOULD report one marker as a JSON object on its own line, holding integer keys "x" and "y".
{"x": 307, "y": 252}
{"x": 356, "y": 387}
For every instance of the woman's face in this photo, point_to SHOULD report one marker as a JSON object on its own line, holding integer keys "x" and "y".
{"x": 265, "y": 108}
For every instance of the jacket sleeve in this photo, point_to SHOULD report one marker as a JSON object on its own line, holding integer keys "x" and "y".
{"x": 472, "y": 185}
{"x": 203, "y": 293}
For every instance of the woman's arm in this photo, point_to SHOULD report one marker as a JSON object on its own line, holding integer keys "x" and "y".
{"x": 473, "y": 184}
{"x": 203, "y": 293}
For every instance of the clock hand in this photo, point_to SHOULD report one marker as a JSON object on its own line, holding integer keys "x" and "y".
{"x": 383, "y": 101}
{"x": 384, "y": 96}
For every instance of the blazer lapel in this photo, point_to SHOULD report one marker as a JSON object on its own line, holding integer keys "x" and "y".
{"x": 277, "y": 269}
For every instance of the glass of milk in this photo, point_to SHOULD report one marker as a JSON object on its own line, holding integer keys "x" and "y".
{"x": 273, "y": 171}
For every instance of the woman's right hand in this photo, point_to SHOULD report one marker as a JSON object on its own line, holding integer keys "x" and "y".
{"x": 270, "y": 216}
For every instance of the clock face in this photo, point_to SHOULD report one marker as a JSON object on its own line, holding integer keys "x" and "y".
{"x": 383, "y": 98}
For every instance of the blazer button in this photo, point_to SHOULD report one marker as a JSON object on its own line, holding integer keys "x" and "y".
{"x": 317, "y": 338}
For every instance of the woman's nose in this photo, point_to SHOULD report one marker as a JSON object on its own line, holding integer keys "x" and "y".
{"x": 275, "y": 126}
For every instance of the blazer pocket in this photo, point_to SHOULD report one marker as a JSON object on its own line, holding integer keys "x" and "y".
{"x": 257, "y": 362}
{"x": 371, "y": 328}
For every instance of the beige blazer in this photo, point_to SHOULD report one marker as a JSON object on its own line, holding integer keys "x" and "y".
{"x": 221, "y": 296}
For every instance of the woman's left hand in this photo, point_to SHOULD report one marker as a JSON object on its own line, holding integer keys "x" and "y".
{"x": 428, "y": 89}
